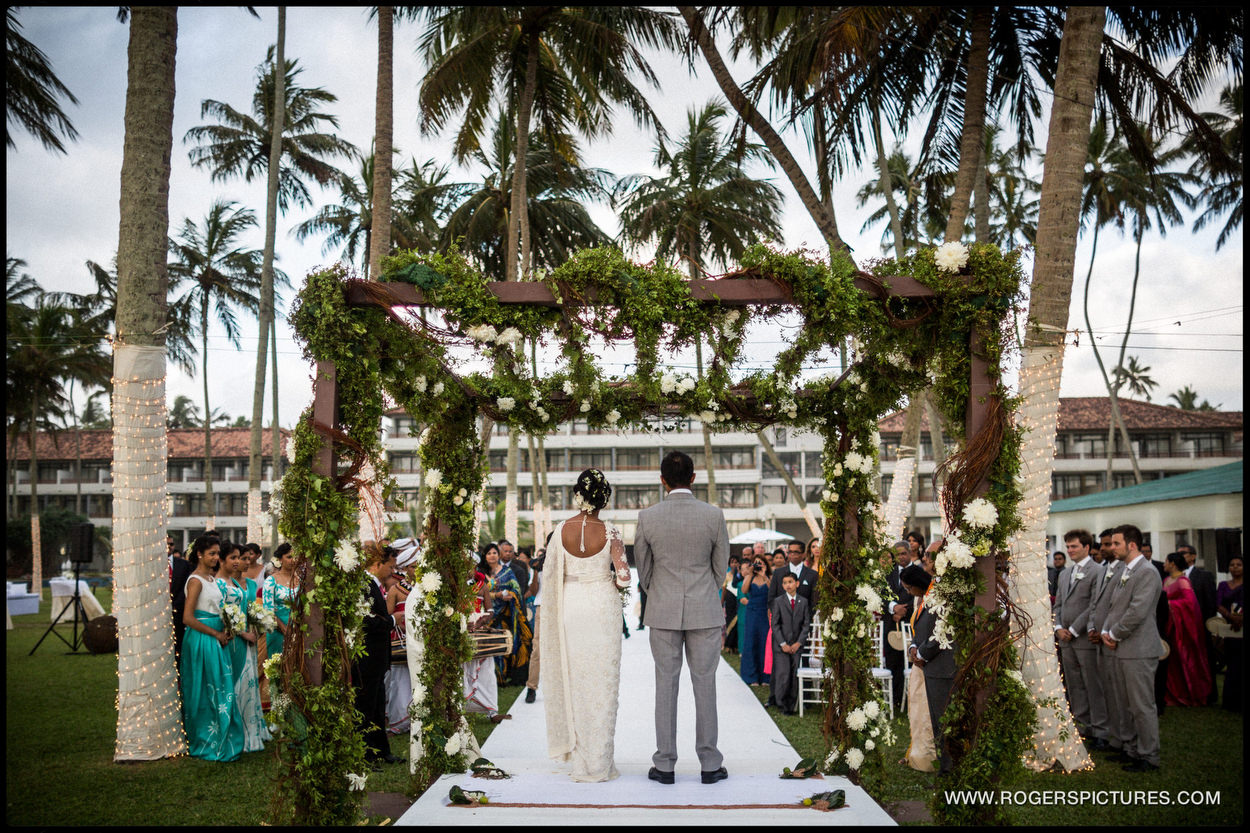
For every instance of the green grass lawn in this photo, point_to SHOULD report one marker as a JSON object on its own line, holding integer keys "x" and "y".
{"x": 1201, "y": 750}
{"x": 60, "y": 728}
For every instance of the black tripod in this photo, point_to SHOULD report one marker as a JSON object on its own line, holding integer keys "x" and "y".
{"x": 75, "y": 601}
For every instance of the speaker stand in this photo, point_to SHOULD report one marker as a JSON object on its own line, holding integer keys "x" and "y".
{"x": 75, "y": 601}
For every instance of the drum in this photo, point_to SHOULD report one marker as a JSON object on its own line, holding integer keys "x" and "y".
{"x": 399, "y": 651}
{"x": 495, "y": 643}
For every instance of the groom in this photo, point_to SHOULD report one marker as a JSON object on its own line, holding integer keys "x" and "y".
{"x": 681, "y": 548}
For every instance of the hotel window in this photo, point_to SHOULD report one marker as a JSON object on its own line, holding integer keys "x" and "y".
{"x": 580, "y": 460}
{"x": 775, "y": 494}
{"x": 637, "y": 459}
{"x": 1204, "y": 445}
{"x": 744, "y": 458}
{"x": 1154, "y": 445}
{"x": 889, "y": 447}
{"x": 1087, "y": 445}
{"x": 404, "y": 464}
{"x": 636, "y": 497}
{"x": 813, "y": 468}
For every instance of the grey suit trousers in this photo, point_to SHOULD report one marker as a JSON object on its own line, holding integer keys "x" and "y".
{"x": 702, "y": 647}
{"x": 1080, "y": 675}
{"x": 1113, "y": 696}
{"x": 1139, "y": 718}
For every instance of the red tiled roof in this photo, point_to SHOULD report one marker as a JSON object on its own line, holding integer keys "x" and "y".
{"x": 1093, "y": 413}
{"x": 184, "y": 443}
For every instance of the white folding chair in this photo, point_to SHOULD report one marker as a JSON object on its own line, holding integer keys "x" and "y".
{"x": 881, "y": 675}
{"x": 907, "y": 633}
{"x": 811, "y": 673}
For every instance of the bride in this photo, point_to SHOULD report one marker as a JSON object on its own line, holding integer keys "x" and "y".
{"x": 580, "y": 640}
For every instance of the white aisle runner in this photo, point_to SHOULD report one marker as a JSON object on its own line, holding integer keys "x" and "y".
{"x": 754, "y": 749}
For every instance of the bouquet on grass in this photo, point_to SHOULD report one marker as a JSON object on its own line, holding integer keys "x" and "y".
{"x": 234, "y": 617}
{"x": 261, "y": 618}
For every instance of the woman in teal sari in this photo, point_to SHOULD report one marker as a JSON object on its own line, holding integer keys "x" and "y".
{"x": 278, "y": 596}
{"x": 241, "y": 591}
{"x": 213, "y": 723}
{"x": 504, "y": 591}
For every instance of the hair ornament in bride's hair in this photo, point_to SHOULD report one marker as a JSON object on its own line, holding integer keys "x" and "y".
{"x": 593, "y": 490}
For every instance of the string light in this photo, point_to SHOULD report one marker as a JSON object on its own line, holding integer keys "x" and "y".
{"x": 149, "y": 705}
{"x": 893, "y": 514}
{"x": 1056, "y": 740}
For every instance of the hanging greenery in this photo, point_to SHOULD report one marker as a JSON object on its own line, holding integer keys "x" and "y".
{"x": 903, "y": 344}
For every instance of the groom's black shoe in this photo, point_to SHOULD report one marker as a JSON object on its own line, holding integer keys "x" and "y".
{"x": 715, "y": 775}
{"x": 530, "y": 694}
{"x": 661, "y": 776}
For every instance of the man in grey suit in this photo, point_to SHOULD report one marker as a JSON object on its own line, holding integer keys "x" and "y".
{"x": 681, "y": 548}
{"x": 1113, "y": 699}
{"x": 1074, "y": 597}
{"x": 1132, "y": 635}
{"x": 938, "y": 664}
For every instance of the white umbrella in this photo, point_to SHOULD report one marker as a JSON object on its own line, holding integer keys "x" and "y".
{"x": 758, "y": 534}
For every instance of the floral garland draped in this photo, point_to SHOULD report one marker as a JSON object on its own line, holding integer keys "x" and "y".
{"x": 906, "y": 344}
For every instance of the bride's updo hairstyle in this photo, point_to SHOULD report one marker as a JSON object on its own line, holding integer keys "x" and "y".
{"x": 593, "y": 489}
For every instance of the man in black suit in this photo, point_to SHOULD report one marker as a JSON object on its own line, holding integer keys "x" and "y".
{"x": 369, "y": 670}
{"x": 938, "y": 666}
{"x": 1204, "y": 588}
{"x": 791, "y": 622}
{"x": 897, "y": 609}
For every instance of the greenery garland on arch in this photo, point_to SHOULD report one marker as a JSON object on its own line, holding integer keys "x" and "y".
{"x": 905, "y": 344}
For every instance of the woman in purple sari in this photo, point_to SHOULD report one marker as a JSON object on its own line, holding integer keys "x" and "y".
{"x": 1189, "y": 677}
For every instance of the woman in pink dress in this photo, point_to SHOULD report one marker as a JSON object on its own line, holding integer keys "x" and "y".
{"x": 1189, "y": 677}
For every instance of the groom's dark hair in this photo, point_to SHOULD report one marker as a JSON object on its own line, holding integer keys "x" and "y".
{"x": 677, "y": 469}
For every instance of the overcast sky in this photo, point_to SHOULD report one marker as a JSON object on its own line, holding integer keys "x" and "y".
{"x": 63, "y": 210}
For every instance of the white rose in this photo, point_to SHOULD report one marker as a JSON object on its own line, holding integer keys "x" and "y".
{"x": 346, "y": 556}
{"x": 453, "y": 745}
{"x": 449, "y": 611}
{"x": 951, "y": 257}
{"x": 732, "y": 317}
{"x": 509, "y": 336}
{"x": 421, "y": 384}
{"x": 457, "y": 500}
{"x": 668, "y": 383}
{"x": 433, "y": 479}
{"x": 870, "y": 745}
{"x": 290, "y": 451}
{"x": 854, "y": 758}
{"x": 856, "y": 720}
{"x": 837, "y": 469}
{"x": 437, "y": 390}
{"x": 418, "y": 692}
{"x": 568, "y": 388}
{"x": 482, "y": 332}
{"x": 505, "y": 403}
{"x": 612, "y": 416}
{"x": 980, "y": 513}
{"x": 585, "y": 406}
{"x": 463, "y": 493}
{"x": 836, "y": 614}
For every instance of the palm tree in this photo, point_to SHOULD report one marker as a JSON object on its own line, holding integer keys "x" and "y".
{"x": 1187, "y": 400}
{"x": 184, "y": 413}
{"x": 564, "y": 66}
{"x": 704, "y": 210}
{"x": 32, "y": 91}
{"x": 1223, "y": 189}
{"x": 147, "y": 702}
{"x": 222, "y": 275}
{"x": 1136, "y": 376}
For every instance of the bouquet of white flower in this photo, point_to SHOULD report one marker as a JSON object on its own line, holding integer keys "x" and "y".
{"x": 234, "y": 617}
{"x": 261, "y": 617}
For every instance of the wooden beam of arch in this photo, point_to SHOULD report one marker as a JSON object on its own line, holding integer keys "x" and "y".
{"x": 729, "y": 292}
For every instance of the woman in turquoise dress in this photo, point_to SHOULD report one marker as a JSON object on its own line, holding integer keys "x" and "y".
{"x": 752, "y": 623}
{"x": 278, "y": 596}
{"x": 505, "y": 594}
{"x": 213, "y": 724}
{"x": 237, "y": 590}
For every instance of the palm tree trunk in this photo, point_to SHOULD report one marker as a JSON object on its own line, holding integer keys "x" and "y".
{"x": 383, "y": 133}
{"x": 982, "y": 194}
{"x": 275, "y": 446}
{"x": 545, "y": 490}
{"x": 77, "y": 452}
{"x": 824, "y": 218}
{"x": 510, "y": 488}
{"x": 935, "y": 440}
{"x": 1067, "y": 149}
{"x": 536, "y": 481}
{"x": 254, "y": 463}
{"x": 972, "y": 141}
{"x": 1128, "y": 328}
{"x": 887, "y": 186}
{"x": 911, "y": 439}
{"x": 518, "y": 220}
{"x": 36, "y": 541}
{"x": 210, "y": 509}
{"x": 795, "y": 492}
{"x": 148, "y": 720}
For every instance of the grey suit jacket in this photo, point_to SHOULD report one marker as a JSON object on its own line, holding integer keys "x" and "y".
{"x": 1131, "y": 620}
{"x": 939, "y": 662}
{"x": 1102, "y": 595}
{"x": 1074, "y": 600}
{"x": 790, "y": 626}
{"x": 681, "y": 548}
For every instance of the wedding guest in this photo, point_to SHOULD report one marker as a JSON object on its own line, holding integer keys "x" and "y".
{"x": 1113, "y": 698}
{"x": 915, "y": 544}
{"x": 213, "y": 724}
{"x": 752, "y": 622}
{"x": 1189, "y": 677}
{"x": 759, "y": 550}
{"x": 746, "y": 553}
{"x": 921, "y": 751}
{"x": 369, "y": 669}
{"x": 812, "y": 561}
{"x": 536, "y": 585}
{"x": 505, "y": 597}
{"x": 254, "y": 568}
{"x": 1204, "y": 589}
{"x": 729, "y": 601}
{"x": 241, "y": 592}
{"x": 1074, "y": 605}
{"x": 398, "y": 679}
{"x": 179, "y": 571}
{"x": 778, "y": 559}
{"x": 898, "y": 609}
{"x": 278, "y": 595}
{"x": 791, "y": 620}
{"x": 1230, "y": 602}
{"x": 1052, "y": 573}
